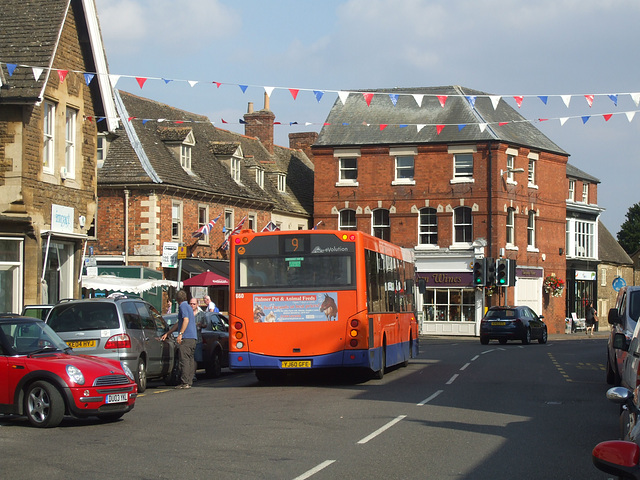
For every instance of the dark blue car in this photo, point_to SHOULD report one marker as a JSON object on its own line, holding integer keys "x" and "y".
{"x": 512, "y": 323}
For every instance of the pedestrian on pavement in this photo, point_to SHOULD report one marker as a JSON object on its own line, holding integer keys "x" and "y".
{"x": 210, "y": 306}
{"x": 590, "y": 318}
{"x": 187, "y": 338}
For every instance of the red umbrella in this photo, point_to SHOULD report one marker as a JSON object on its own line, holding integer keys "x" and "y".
{"x": 206, "y": 279}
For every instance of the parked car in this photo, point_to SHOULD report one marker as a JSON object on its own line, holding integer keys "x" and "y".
{"x": 622, "y": 457}
{"x": 37, "y": 311}
{"x": 512, "y": 323}
{"x": 119, "y": 328}
{"x": 623, "y": 318}
{"x": 212, "y": 349}
{"x": 617, "y": 457}
{"x": 43, "y": 378}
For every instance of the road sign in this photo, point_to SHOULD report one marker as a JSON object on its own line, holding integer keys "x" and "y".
{"x": 618, "y": 283}
{"x": 170, "y": 254}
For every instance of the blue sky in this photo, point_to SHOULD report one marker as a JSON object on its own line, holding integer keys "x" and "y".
{"x": 503, "y": 47}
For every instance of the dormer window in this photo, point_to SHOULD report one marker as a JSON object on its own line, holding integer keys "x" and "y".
{"x": 180, "y": 141}
{"x": 260, "y": 177}
{"x": 185, "y": 156}
{"x": 282, "y": 183}
{"x": 235, "y": 169}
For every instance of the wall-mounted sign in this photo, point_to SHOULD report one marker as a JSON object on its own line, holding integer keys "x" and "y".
{"x": 170, "y": 254}
{"x": 585, "y": 275}
{"x": 61, "y": 219}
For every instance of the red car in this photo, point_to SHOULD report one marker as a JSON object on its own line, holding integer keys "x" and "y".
{"x": 43, "y": 379}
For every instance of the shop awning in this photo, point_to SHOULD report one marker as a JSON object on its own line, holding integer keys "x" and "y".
{"x": 121, "y": 284}
{"x": 206, "y": 279}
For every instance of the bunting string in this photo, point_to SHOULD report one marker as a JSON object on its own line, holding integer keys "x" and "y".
{"x": 343, "y": 95}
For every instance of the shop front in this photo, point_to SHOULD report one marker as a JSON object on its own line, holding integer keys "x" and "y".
{"x": 451, "y": 305}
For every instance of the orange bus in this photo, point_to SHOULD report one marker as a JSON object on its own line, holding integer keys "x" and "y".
{"x": 311, "y": 299}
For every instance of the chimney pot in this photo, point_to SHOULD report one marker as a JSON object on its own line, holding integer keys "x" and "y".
{"x": 250, "y": 108}
{"x": 266, "y": 101}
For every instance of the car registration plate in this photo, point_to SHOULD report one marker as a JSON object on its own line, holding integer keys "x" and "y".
{"x": 498, "y": 323}
{"x": 117, "y": 397}
{"x": 81, "y": 343}
{"x": 296, "y": 364}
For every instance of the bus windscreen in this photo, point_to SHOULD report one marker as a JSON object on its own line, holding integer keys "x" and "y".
{"x": 295, "y": 272}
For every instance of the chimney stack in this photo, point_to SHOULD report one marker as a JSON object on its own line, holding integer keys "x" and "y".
{"x": 260, "y": 124}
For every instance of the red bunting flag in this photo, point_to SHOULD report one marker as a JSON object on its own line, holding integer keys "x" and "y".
{"x": 443, "y": 100}
{"x": 502, "y": 123}
{"x": 367, "y": 98}
{"x": 294, "y": 92}
{"x": 62, "y": 74}
{"x": 607, "y": 116}
{"x": 223, "y": 120}
{"x": 383, "y": 126}
{"x": 543, "y": 119}
{"x": 589, "y": 99}
{"x": 439, "y": 129}
{"x": 130, "y": 118}
{"x": 141, "y": 81}
{"x": 90, "y": 118}
{"x": 518, "y": 100}
{"x": 217, "y": 84}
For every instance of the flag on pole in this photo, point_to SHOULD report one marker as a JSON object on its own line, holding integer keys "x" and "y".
{"x": 270, "y": 227}
{"x": 205, "y": 229}
{"x": 225, "y": 245}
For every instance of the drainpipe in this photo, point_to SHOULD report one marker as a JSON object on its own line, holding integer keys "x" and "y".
{"x": 126, "y": 226}
{"x": 490, "y": 197}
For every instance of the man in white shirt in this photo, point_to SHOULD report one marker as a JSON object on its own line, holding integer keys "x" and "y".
{"x": 211, "y": 307}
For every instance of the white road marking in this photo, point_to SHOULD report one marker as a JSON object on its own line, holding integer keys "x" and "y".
{"x": 427, "y": 400}
{"x": 464, "y": 366}
{"x": 314, "y": 470}
{"x": 381, "y": 429}
{"x": 475, "y": 358}
{"x": 452, "y": 379}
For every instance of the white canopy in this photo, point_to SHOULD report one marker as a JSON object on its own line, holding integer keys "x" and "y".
{"x": 122, "y": 284}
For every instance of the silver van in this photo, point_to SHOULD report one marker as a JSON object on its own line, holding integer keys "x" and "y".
{"x": 121, "y": 328}
{"x": 623, "y": 319}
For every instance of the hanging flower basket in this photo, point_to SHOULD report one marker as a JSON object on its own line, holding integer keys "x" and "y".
{"x": 553, "y": 285}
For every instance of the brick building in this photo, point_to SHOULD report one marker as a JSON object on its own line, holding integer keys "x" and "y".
{"x": 167, "y": 173}
{"x": 48, "y": 130}
{"x": 454, "y": 174}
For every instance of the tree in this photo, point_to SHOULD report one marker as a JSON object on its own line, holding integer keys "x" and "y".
{"x": 629, "y": 234}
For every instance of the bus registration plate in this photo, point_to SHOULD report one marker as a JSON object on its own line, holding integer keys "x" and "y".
{"x": 296, "y": 364}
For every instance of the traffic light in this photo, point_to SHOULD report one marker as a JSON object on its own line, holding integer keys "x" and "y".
{"x": 490, "y": 271}
{"x": 502, "y": 272}
{"x": 479, "y": 279}
{"x": 511, "y": 277}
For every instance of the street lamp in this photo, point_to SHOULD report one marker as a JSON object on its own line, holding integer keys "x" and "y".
{"x": 511, "y": 170}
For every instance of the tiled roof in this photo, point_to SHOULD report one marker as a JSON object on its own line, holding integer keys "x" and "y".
{"x": 209, "y": 173}
{"x": 609, "y": 250}
{"x": 29, "y": 32}
{"x": 356, "y": 123}
{"x": 575, "y": 172}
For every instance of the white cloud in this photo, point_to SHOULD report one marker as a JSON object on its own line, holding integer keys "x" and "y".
{"x": 171, "y": 26}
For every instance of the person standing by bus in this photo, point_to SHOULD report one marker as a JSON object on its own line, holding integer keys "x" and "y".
{"x": 187, "y": 338}
{"x": 209, "y": 305}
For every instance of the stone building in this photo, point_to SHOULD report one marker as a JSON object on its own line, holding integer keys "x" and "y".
{"x": 53, "y": 90}
{"x": 614, "y": 263}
